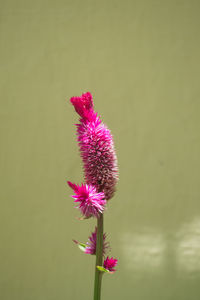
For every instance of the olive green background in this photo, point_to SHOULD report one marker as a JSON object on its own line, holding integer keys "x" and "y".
{"x": 140, "y": 60}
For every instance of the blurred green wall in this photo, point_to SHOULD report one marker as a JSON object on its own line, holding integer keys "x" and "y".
{"x": 140, "y": 60}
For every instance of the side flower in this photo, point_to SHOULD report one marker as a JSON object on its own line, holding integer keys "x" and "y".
{"x": 109, "y": 264}
{"x": 91, "y": 203}
{"x": 91, "y": 244}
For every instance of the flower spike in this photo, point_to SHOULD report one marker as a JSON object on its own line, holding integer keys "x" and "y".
{"x": 96, "y": 147}
{"x": 100, "y": 178}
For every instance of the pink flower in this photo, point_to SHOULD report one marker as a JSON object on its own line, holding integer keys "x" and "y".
{"x": 109, "y": 264}
{"x": 91, "y": 203}
{"x": 96, "y": 147}
{"x": 84, "y": 106}
{"x": 91, "y": 245}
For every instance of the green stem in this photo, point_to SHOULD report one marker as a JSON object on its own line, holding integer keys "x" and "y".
{"x": 99, "y": 258}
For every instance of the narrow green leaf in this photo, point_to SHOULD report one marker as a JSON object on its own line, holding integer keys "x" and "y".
{"x": 82, "y": 246}
{"x": 102, "y": 269}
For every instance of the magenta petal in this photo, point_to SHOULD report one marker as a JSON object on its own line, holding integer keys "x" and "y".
{"x": 73, "y": 186}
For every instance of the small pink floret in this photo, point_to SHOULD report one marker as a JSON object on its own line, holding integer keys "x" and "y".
{"x": 91, "y": 244}
{"x": 91, "y": 203}
{"x": 109, "y": 264}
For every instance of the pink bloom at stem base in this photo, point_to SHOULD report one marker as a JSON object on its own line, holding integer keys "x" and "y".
{"x": 91, "y": 203}
{"x": 91, "y": 245}
{"x": 109, "y": 264}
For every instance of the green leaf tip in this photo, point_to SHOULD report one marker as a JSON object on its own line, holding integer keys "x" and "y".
{"x": 82, "y": 246}
{"x": 102, "y": 269}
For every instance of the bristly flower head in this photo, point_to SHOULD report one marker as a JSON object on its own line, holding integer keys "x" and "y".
{"x": 96, "y": 147}
{"x": 109, "y": 264}
{"x": 91, "y": 203}
{"x": 91, "y": 245}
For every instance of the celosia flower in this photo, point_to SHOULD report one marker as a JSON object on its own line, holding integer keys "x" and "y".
{"x": 91, "y": 245}
{"x": 91, "y": 203}
{"x": 96, "y": 147}
{"x": 109, "y": 264}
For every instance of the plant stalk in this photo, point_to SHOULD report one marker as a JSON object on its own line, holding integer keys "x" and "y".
{"x": 99, "y": 258}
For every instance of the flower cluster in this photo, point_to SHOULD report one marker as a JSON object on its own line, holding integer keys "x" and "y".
{"x": 90, "y": 248}
{"x": 96, "y": 147}
{"x": 100, "y": 170}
